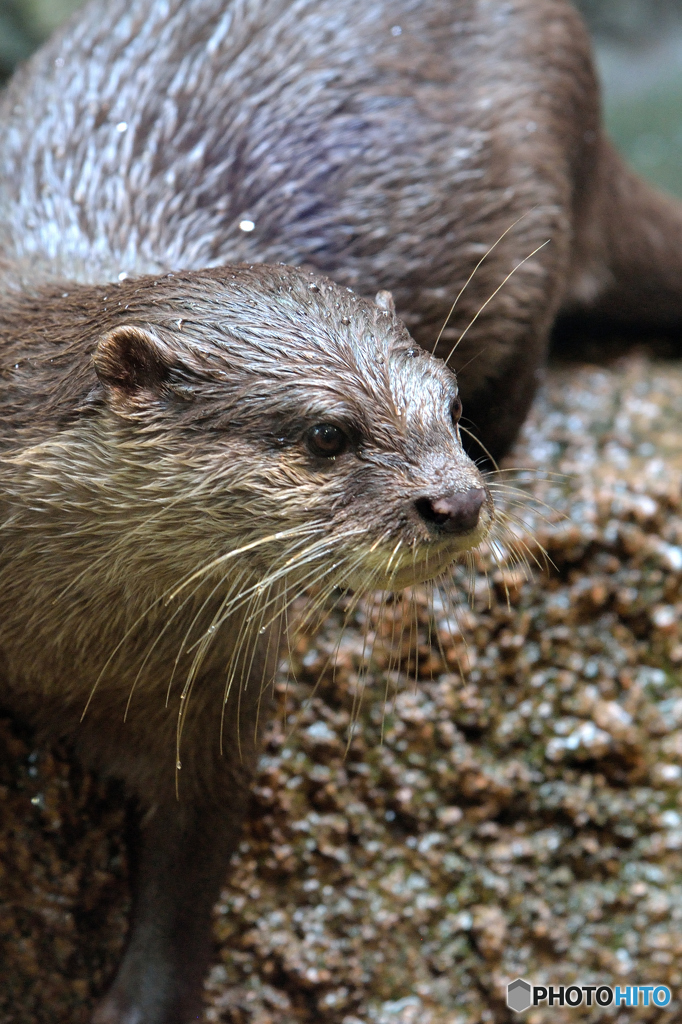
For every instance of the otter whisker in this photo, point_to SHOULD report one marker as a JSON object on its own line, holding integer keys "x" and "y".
{"x": 212, "y": 628}
{"x": 503, "y": 544}
{"x": 311, "y": 617}
{"x": 378, "y": 634}
{"x": 491, "y": 297}
{"x": 310, "y": 579}
{"x": 350, "y": 566}
{"x": 274, "y": 642}
{"x": 291, "y": 663}
{"x": 245, "y": 631}
{"x": 433, "y": 628}
{"x": 219, "y": 584}
{"x": 471, "y": 434}
{"x": 448, "y": 607}
{"x": 245, "y": 675}
{"x": 363, "y": 671}
{"x": 312, "y": 554}
{"x": 511, "y": 505}
{"x": 232, "y": 604}
{"x": 517, "y": 553}
{"x": 537, "y": 474}
{"x": 415, "y": 615}
{"x": 152, "y": 647}
{"x": 392, "y": 557}
{"x": 452, "y": 611}
{"x": 394, "y": 660}
{"x": 470, "y": 578}
{"x": 473, "y": 272}
{"x": 331, "y": 658}
{"x": 505, "y": 518}
{"x": 365, "y": 663}
{"x": 234, "y": 662}
{"x": 235, "y": 552}
{"x": 363, "y": 668}
{"x": 518, "y": 496}
{"x": 171, "y": 592}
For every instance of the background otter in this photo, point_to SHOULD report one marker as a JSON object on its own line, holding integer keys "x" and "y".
{"x": 391, "y": 147}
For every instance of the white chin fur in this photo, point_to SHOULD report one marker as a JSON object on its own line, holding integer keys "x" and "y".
{"x": 411, "y": 573}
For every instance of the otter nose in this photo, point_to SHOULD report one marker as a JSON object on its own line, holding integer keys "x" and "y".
{"x": 453, "y": 513}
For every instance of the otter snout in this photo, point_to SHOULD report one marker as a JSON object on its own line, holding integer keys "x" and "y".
{"x": 455, "y": 513}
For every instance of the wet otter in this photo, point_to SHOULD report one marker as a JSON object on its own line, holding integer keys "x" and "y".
{"x": 388, "y": 145}
{"x": 179, "y": 457}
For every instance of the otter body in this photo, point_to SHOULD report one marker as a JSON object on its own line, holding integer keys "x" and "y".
{"x": 180, "y": 456}
{"x": 185, "y": 446}
{"x": 388, "y": 145}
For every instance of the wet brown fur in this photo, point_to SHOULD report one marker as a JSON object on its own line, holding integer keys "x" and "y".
{"x": 159, "y": 506}
{"x": 388, "y": 145}
{"x": 388, "y": 161}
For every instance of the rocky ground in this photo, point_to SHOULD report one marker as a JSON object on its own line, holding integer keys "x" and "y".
{"x": 498, "y": 793}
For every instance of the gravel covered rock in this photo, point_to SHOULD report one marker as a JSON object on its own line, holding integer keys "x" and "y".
{"x": 458, "y": 788}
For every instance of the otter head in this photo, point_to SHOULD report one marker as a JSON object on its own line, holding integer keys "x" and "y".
{"x": 311, "y": 434}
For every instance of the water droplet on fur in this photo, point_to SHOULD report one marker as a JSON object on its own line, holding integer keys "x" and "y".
{"x": 178, "y": 764}
{"x": 314, "y": 287}
{"x": 345, "y": 319}
{"x": 396, "y": 30}
{"x": 246, "y": 225}
{"x": 327, "y": 314}
{"x": 122, "y": 126}
{"x": 122, "y": 276}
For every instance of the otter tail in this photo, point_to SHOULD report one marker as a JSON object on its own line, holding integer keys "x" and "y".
{"x": 628, "y": 253}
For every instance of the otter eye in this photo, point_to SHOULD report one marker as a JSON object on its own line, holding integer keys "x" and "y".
{"x": 326, "y": 440}
{"x": 456, "y": 410}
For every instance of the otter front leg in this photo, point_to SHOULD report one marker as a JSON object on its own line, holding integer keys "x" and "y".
{"x": 185, "y": 841}
{"x": 185, "y": 849}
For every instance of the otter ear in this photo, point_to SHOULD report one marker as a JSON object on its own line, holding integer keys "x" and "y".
{"x": 130, "y": 362}
{"x": 384, "y": 300}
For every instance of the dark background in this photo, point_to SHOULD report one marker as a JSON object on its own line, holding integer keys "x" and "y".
{"x": 639, "y": 53}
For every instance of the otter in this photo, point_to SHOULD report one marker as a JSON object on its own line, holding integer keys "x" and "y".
{"x": 387, "y": 145}
{"x": 180, "y": 454}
